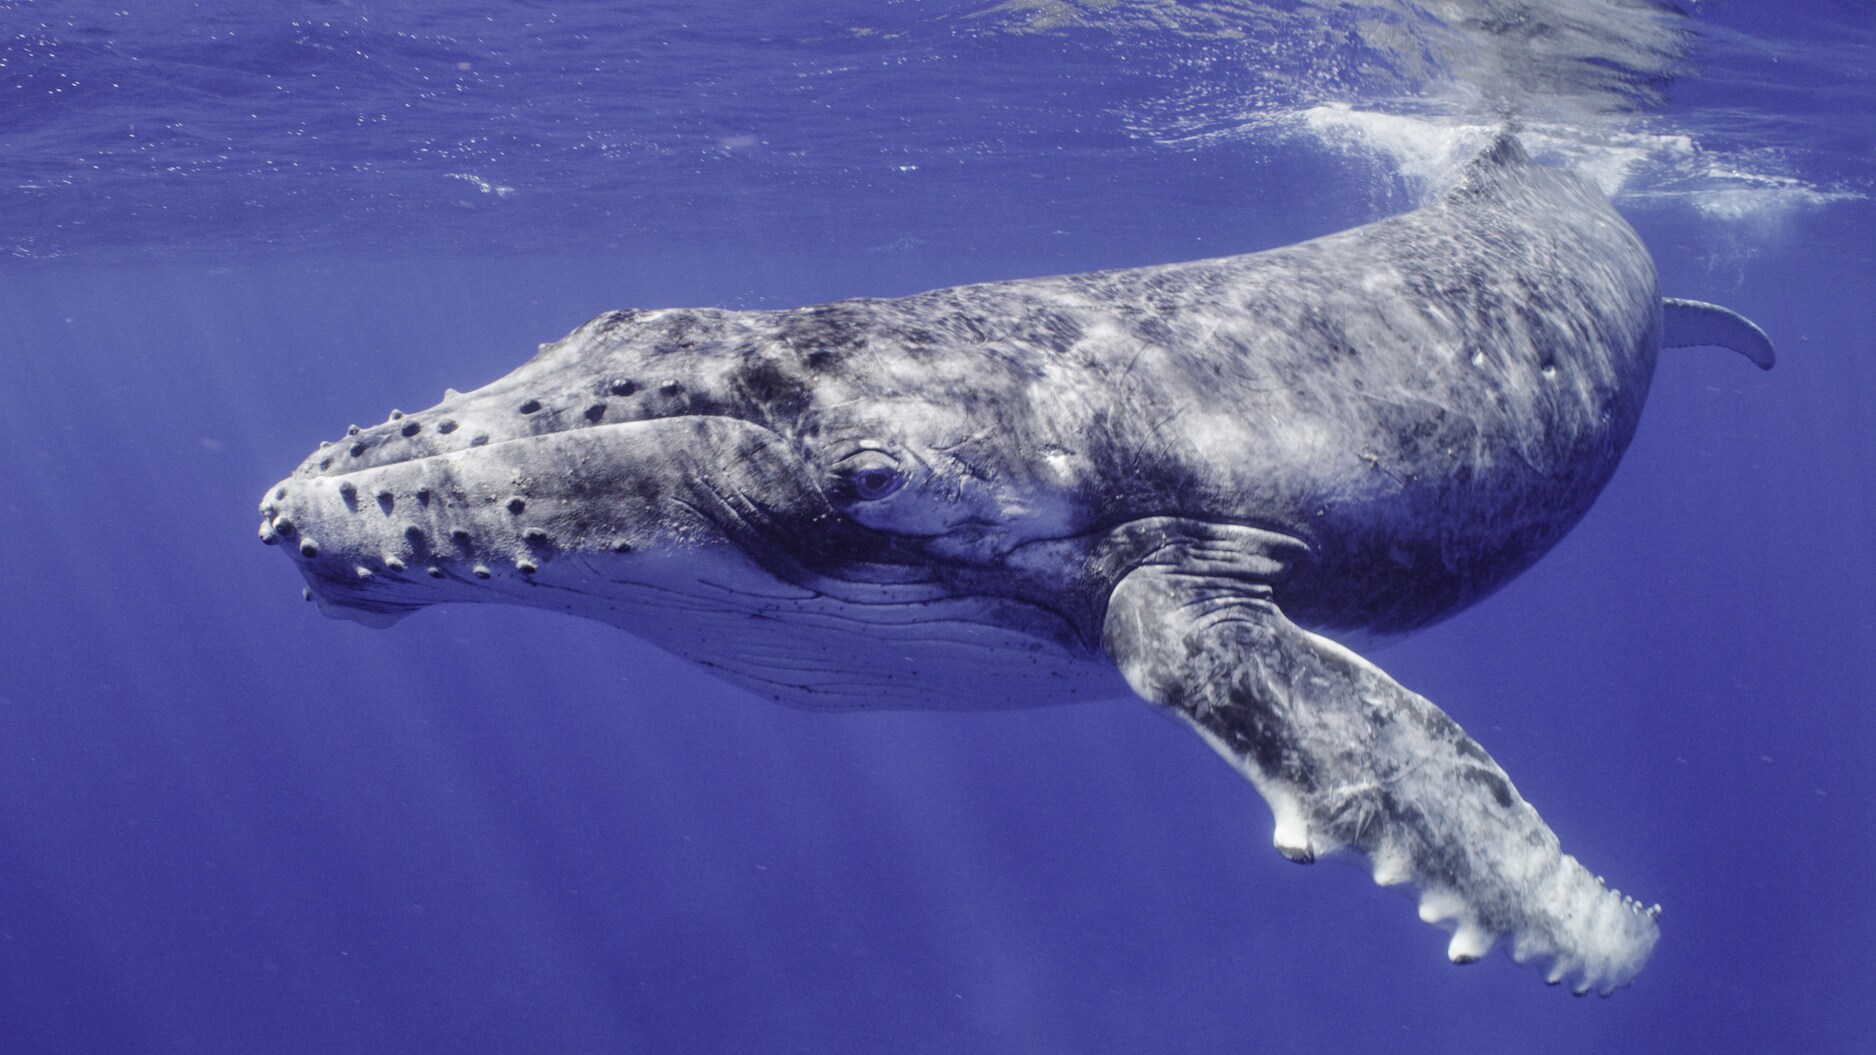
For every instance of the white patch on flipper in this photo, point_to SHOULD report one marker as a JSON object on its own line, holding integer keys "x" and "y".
{"x": 1470, "y": 944}
{"x": 1391, "y": 869}
{"x": 1612, "y": 935}
{"x": 1438, "y": 906}
{"x": 1291, "y": 836}
{"x": 1558, "y": 911}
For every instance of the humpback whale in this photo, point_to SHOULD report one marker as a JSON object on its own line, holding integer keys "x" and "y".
{"x": 1204, "y": 484}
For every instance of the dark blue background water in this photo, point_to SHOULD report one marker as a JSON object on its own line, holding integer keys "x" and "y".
{"x": 228, "y": 825}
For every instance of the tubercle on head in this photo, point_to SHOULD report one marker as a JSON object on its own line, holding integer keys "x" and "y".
{"x": 509, "y": 408}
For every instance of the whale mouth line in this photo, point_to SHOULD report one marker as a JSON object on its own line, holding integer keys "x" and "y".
{"x": 491, "y": 445}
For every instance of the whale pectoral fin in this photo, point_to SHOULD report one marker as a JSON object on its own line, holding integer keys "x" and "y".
{"x": 1695, "y": 323}
{"x": 1346, "y": 757}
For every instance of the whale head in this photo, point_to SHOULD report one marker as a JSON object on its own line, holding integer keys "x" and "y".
{"x": 830, "y": 505}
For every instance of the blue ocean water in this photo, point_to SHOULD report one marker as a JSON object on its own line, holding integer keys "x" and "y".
{"x": 229, "y": 825}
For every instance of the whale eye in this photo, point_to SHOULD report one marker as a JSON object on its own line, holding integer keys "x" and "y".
{"x": 868, "y": 477}
{"x": 874, "y": 484}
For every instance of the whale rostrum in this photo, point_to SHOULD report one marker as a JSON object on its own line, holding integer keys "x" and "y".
{"x": 1199, "y": 483}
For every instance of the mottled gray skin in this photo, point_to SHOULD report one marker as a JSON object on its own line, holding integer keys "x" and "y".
{"x": 1165, "y": 479}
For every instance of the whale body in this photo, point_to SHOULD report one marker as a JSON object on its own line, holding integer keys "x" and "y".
{"x": 1201, "y": 483}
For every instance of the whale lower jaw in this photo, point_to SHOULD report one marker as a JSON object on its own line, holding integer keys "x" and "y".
{"x": 619, "y": 524}
{"x": 900, "y": 648}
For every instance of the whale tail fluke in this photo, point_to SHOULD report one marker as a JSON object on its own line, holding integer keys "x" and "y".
{"x": 1695, "y": 324}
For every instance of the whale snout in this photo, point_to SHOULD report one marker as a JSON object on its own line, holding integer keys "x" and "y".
{"x": 525, "y": 518}
{"x": 376, "y": 545}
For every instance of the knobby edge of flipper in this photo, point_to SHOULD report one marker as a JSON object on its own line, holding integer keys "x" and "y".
{"x": 1347, "y": 758}
{"x": 1697, "y": 324}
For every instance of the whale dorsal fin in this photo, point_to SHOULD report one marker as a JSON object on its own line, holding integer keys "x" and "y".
{"x": 1695, "y": 323}
{"x": 1500, "y": 162}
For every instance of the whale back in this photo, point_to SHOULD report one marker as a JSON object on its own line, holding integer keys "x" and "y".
{"x": 1429, "y": 402}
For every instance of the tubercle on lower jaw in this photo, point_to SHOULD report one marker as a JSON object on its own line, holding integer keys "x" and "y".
{"x": 524, "y": 547}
